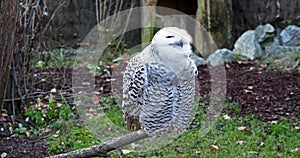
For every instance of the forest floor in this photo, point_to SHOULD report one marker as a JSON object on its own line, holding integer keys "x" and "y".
{"x": 270, "y": 95}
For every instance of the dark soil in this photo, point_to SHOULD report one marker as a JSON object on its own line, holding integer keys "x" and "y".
{"x": 21, "y": 147}
{"x": 267, "y": 94}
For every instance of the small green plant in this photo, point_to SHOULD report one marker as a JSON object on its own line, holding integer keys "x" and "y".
{"x": 102, "y": 67}
{"x": 74, "y": 138}
{"x": 48, "y": 115}
{"x": 112, "y": 110}
{"x": 44, "y": 117}
{"x": 232, "y": 108}
{"x": 21, "y": 130}
{"x": 115, "y": 115}
{"x": 58, "y": 58}
{"x": 239, "y": 57}
{"x": 107, "y": 100}
{"x": 40, "y": 64}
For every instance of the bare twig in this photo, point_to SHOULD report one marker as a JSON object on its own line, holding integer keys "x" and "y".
{"x": 97, "y": 12}
{"x": 60, "y": 4}
{"x": 13, "y": 104}
{"x": 125, "y": 28}
{"x": 104, "y": 148}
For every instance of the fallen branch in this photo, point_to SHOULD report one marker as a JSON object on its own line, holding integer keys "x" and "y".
{"x": 102, "y": 149}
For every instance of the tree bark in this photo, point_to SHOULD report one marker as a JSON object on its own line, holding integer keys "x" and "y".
{"x": 216, "y": 16}
{"x": 8, "y": 17}
{"x": 148, "y": 21}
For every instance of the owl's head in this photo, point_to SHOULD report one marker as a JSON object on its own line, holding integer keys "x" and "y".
{"x": 174, "y": 37}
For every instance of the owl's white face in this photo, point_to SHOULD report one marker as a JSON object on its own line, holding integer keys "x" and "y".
{"x": 174, "y": 37}
{"x": 172, "y": 47}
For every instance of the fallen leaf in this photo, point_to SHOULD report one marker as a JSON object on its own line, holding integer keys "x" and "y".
{"x": 127, "y": 151}
{"x": 2, "y": 119}
{"x": 253, "y": 152}
{"x": 3, "y": 155}
{"x": 134, "y": 145}
{"x": 85, "y": 83}
{"x": 46, "y": 130}
{"x": 213, "y": 147}
{"x": 11, "y": 129}
{"x": 25, "y": 132}
{"x": 226, "y": 117}
{"x": 95, "y": 99}
{"x": 263, "y": 65}
{"x": 44, "y": 106}
{"x": 276, "y": 61}
{"x": 182, "y": 156}
{"x": 91, "y": 110}
{"x": 59, "y": 105}
{"x": 247, "y": 91}
{"x": 240, "y": 142}
{"x": 4, "y": 114}
{"x": 294, "y": 150}
{"x": 197, "y": 151}
{"x": 243, "y": 129}
{"x": 53, "y": 90}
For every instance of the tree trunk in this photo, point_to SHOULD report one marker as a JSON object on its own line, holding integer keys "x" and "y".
{"x": 8, "y": 14}
{"x": 148, "y": 21}
{"x": 216, "y": 16}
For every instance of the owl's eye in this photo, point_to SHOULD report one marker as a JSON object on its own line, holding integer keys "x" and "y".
{"x": 169, "y": 36}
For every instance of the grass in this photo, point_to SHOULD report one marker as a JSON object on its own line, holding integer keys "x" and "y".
{"x": 247, "y": 137}
{"x": 232, "y": 136}
{"x": 73, "y": 138}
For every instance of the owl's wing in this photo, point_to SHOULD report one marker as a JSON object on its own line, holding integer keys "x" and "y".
{"x": 186, "y": 96}
{"x": 185, "y": 100}
{"x": 168, "y": 100}
{"x": 159, "y": 100}
{"x": 133, "y": 87}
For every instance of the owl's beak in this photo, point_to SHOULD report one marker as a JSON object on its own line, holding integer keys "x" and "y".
{"x": 177, "y": 44}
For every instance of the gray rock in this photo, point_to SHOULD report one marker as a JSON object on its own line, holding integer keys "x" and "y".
{"x": 264, "y": 32}
{"x": 197, "y": 60}
{"x": 247, "y": 45}
{"x": 290, "y": 36}
{"x": 276, "y": 42}
{"x": 281, "y": 51}
{"x": 219, "y": 57}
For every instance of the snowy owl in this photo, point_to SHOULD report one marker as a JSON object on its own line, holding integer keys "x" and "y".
{"x": 159, "y": 85}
